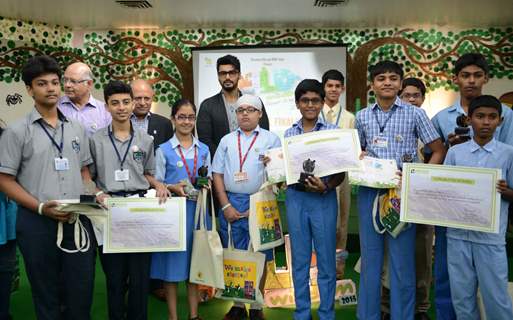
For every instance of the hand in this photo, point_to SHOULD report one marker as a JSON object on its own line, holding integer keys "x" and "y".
{"x": 399, "y": 177}
{"x": 266, "y": 160}
{"x": 178, "y": 188}
{"x": 101, "y": 199}
{"x": 162, "y": 192}
{"x": 231, "y": 215}
{"x": 208, "y": 186}
{"x": 49, "y": 210}
{"x": 363, "y": 155}
{"x": 502, "y": 186}
{"x": 455, "y": 139}
{"x": 315, "y": 184}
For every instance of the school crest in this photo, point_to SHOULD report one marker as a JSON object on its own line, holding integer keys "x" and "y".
{"x": 75, "y": 144}
{"x": 138, "y": 155}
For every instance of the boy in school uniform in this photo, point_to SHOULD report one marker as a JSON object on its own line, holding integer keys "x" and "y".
{"x": 389, "y": 129}
{"x": 312, "y": 214}
{"x": 478, "y": 259}
{"x": 44, "y": 158}
{"x": 238, "y": 172}
{"x": 124, "y": 165}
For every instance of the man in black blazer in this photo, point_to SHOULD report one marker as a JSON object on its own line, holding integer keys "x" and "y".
{"x": 157, "y": 126}
{"x": 216, "y": 117}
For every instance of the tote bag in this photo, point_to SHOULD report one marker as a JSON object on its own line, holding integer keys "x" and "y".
{"x": 265, "y": 228}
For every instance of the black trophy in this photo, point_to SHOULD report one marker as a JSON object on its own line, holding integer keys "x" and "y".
{"x": 202, "y": 179}
{"x": 462, "y": 130}
{"x": 308, "y": 169}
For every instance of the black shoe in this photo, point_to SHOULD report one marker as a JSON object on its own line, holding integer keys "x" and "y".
{"x": 236, "y": 313}
{"x": 256, "y": 315}
{"x": 385, "y": 316}
{"x": 422, "y": 316}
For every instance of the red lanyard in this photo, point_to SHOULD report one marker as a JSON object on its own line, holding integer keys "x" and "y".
{"x": 191, "y": 175}
{"x": 241, "y": 159}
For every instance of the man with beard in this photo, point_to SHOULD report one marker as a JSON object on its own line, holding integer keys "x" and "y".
{"x": 216, "y": 116}
{"x": 78, "y": 103}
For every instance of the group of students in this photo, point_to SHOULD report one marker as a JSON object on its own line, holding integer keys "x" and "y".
{"x": 46, "y": 157}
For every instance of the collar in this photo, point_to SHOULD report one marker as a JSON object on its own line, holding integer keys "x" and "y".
{"x": 92, "y": 102}
{"x": 456, "y": 107}
{"x": 318, "y": 125}
{"x": 257, "y": 129}
{"x": 398, "y": 103}
{"x": 110, "y": 131}
{"x": 336, "y": 109}
{"x": 175, "y": 142}
{"x": 147, "y": 116}
{"x": 489, "y": 147}
{"x": 34, "y": 116}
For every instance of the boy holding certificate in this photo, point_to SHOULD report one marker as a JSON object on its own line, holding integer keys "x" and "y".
{"x": 478, "y": 259}
{"x": 124, "y": 166}
{"x": 312, "y": 214}
{"x": 389, "y": 129}
{"x": 238, "y": 171}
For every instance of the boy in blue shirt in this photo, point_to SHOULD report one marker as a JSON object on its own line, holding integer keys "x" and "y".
{"x": 477, "y": 258}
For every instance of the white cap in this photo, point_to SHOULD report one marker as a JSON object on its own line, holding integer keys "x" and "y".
{"x": 249, "y": 100}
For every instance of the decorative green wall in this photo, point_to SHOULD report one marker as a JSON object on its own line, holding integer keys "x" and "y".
{"x": 164, "y": 56}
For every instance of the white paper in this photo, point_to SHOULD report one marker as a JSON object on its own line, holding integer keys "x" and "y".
{"x": 276, "y": 167}
{"x": 376, "y": 173}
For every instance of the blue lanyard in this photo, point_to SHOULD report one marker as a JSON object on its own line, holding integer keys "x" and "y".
{"x": 122, "y": 161}
{"x": 58, "y": 146}
{"x": 383, "y": 126}
{"x": 338, "y": 116}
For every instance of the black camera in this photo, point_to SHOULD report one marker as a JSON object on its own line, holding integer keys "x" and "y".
{"x": 463, "y": 129}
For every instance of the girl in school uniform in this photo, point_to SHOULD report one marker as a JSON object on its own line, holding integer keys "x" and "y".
{"x": 177, "y": 163}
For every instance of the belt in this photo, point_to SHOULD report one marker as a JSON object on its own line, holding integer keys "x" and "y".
{"x": 125, "y": 194}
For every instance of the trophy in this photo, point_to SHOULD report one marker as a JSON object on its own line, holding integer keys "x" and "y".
{"x": 308, "y": 169}
{"x": 462, "y": 129}
{"x": 201, "y": 179}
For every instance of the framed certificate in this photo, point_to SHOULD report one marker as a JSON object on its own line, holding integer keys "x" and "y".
{"x": 451, "y": 196}
{"x": 144, "y": 225}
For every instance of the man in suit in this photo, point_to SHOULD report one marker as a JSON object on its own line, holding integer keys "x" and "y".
{"x": 157, "y": 126}
{"x": 216, "y": 117}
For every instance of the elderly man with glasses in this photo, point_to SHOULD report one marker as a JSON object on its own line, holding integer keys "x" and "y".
{"x": 78, "y": 103}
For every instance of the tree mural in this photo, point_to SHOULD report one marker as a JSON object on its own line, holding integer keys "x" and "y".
{"x": 164, "y": 56}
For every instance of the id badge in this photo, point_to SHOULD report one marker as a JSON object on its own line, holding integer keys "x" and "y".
{"x": 121, "y": 175}
{"x": 61, "y": 164}
{"x": 240, "y": 177}
{"x": 380, "y": 142}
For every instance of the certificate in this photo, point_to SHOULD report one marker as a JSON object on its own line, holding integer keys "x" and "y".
{"x": 275, "y": 168}
{"x": 144, "y": 225}
{"x": 333, "y": 151}
{"x": 450, "y": 196}
{"x": 376, "y": 173}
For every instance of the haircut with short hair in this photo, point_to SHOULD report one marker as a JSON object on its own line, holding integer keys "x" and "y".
{"x": 229, "y": 59}
{"x": 181, "y": 103}
{"x": 414, "y": 82}
{"x": 385, "y": 66}
{"x": 486, "y": 101}
{"x": 308, "y": 85}
{"x": 471, "y": 59}
{"x": 38, "y": 66}
{"x": 115, "y": 87}
{"x": 332, "y": 75}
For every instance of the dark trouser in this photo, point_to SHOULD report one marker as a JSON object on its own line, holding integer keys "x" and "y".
{"x": 7, "y": 267}
{"x": 127, "y": 272}
{"x": 45, "y": 264}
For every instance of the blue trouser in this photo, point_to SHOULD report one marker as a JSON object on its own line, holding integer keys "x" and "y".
{"x": 472, "y": 265}
{"x": 49, "y": 269}
{"x": 401, "y": 265}
{"x": 443, "y": 301}
{"x": 312, "y": 216}
{"x": 240, "y": 228}
{"x": 7, "y": 268}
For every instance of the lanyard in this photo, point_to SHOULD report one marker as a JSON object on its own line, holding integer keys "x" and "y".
{"x": 121, "y": 161}
{"x": 191, "y": 175}
{"x": 58, "y": 146}
{"x": 383, "y": 126}
{"x": 338, "y": 116}
{"x": 241, "y": 159}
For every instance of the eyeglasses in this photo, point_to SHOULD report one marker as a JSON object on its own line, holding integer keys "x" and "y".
{"x": 182, "y": 117}
{"x": 145, "y": 99}
{"x": 314, "y": 101}
{"x": 230, "y": 73}
{"x": 73, "y": 81}
{"x": 416, "y": 95}
{"x": 246, "y": 110}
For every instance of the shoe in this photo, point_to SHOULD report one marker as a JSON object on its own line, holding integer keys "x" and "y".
{"x": 385, "y": 316}
{"x": 422, "y": 316}
{"x": 236, "y": 313}
{"x": 256, "y": 314}
{"x": 159, "y": 294}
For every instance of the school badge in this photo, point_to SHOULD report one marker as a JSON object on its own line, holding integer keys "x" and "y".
{"x": 75, "y": 144}
{"x": 138, "y": 154}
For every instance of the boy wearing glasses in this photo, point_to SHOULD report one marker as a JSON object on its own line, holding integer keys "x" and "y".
{"x": 312, "y": 214}
{"x": 78, "y": 103}
{"x": 238, "y": 172}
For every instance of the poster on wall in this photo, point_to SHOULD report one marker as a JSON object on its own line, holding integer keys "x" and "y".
{"x": 270, "y": 72}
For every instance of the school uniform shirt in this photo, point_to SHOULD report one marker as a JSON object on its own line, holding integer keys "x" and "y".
{"x": 227, "y": 162}
{"x": 140, "y": 160}
{"x": 338, "y": 116}
{"x": 494, "y": 154}
{"x": 445, "y": 122}
{"x": 29, "y": 154}
{"x": 394, "y": 134}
